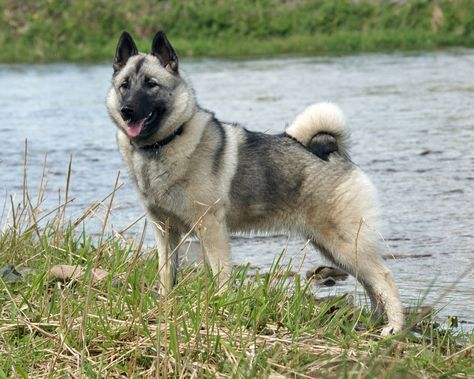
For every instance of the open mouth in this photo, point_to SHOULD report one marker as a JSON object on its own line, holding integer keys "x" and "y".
{"x": 135, "y": 128}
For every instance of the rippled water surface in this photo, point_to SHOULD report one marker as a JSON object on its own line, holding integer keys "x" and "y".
{"x": 412, "y": 124}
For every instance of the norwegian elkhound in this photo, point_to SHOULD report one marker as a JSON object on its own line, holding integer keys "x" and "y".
{"x": 194, "y": 171}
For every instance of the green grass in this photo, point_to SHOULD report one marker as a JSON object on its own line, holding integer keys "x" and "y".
{"x": 57, "y": 30}
{"x": 259, "y": 326}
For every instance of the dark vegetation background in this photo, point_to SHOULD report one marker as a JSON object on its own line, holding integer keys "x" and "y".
{"x": 62, "y": 30}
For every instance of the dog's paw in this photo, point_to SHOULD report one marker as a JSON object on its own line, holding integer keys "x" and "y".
{"x": 390, "y": 330}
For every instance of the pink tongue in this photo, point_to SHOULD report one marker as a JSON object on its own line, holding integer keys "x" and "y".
{"x": 134, "y": 128}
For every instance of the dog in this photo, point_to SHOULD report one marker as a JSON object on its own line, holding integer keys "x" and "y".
{"x": 194, "y": 171}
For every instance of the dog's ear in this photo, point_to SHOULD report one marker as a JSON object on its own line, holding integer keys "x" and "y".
{"x": 162, "y": 49}
{"x": 125, "y": 49}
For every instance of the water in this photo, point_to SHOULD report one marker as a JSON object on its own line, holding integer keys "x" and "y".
{"x": 412, "y": 123}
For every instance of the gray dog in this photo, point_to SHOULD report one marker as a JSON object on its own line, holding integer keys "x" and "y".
{"x": 191, "y": 170}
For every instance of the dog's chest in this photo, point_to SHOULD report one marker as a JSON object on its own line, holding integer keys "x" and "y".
{"x": 159, "y": 182}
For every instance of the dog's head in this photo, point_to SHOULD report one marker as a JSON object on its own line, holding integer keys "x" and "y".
{"x": 149, "y": 99}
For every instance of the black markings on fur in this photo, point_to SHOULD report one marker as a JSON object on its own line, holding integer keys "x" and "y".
{"x": 139, "y": 64}
{"x": 125, "y": 49}
{"x": 154, "y": 147}
{"x": 219, "y": 154}
{"x": 143, "y": 101}
{"x": 145, "y": 174}
{"x": 263, "y": 180}
{"x": 323, "y": 144}
{"x": 162, "y": 49}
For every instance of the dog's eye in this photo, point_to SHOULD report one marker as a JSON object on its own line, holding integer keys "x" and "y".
{"x": 150, "y": 83}
{"x": 124, "y": 84}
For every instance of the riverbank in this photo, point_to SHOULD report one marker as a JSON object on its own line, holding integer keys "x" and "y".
{"x": 106, "y": 318}
{"x": 88, "y": 31}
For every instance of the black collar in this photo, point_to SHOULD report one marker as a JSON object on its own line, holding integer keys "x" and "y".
{"x": 163, "y": 142}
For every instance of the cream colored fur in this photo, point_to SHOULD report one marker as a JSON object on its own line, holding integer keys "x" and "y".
{"x": 354, "y": 245}
{"x": 320, "y": 117}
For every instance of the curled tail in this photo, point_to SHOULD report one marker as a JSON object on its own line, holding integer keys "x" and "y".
{"x": 322, "y": 129}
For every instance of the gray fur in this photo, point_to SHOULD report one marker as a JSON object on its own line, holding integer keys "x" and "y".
{"x": 218, "y": 156}
{"x": 262, "y": 183}
{"x": 222, "y": 178}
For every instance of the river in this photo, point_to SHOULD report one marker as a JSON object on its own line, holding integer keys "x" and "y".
{"x": 411, "y": 118}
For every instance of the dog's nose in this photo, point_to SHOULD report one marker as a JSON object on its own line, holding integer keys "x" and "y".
{"x": 127, "y": 112}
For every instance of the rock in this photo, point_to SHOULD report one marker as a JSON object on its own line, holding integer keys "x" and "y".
{"x": 9, "y": 274}
{"x": 66, "y": 273}
{"x": 325, "y": 275}
{"x": 328, "y": 282}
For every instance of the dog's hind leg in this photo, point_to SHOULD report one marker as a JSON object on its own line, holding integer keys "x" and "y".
{"x": 347, "y": 237}
{"x": 370, "y": 271}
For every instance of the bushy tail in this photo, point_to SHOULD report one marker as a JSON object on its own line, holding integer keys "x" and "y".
{"x": 322, "y": 129}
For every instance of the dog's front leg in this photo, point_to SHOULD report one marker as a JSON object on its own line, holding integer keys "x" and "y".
{"x": 167, "y": 238}
{"x": 215, "y": 240}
